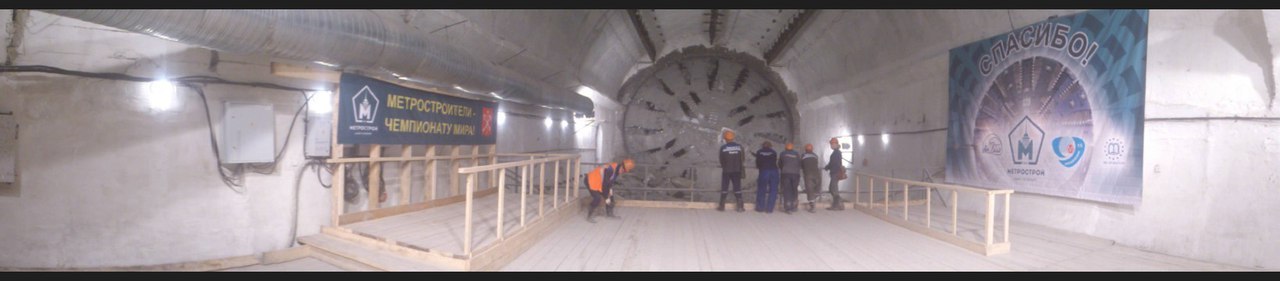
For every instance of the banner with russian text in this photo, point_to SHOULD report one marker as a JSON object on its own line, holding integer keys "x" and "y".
{"x": 376, "y": 112}
{"x": 1054, "y": 108}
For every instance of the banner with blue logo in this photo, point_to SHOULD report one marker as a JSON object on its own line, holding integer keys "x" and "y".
{"x": 376, "y": 112}
{"x": 1055, "y": 108}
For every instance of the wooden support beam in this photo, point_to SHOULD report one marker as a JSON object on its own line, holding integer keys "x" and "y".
{"x": 954, "y": 210}
{"x": 568, "y": 179}
{"x": 337, "y": 204}
{"x": 857, "y": 188}
{"x": 314, "y": 73}
{"x": 555, "y": 185}
{"x": 288, "y": 254}
{"x": 886, "y": 197}
{"x": 577, "y": 176}
{"x": 502, "y": 178}
{"x": 406, "y": 184}
{"x": 906, "y": 193}
{"x": 430, "y": 174}
{"x": 475, "y": 151}
{"x": 524, "y": 190}
{"x": 466, "y": 229}
{"x": 375, "y": 177}
{"x": 453, "y": 173}
{"x": 990, "y": 218}
{"x": 542, "y": 177}
{"x": 493, "y": 159}
{"x": 1006, "y": 217}
{"x": 928, "y": 206}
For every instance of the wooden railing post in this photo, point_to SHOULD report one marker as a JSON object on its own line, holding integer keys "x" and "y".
{"x": 906, "y": 194}
{"x": 568, "y": 171}
{"x": 857, "y": 188}
{"x": 339, "y": 179}
{"x": 928, "y": 207}
{"x": 493, "y": 159}
{"x": 502, "y": 178}
{"x": 466, "y": 235}
{"x": 955, "y": 205}
{"x": 430, "y": 174}
{"x": 555, "y": 186}
{"x": 577, "y": 176}
{"x": 542, "y": 178}
{"x": 990, "y": 220}
{"x": 375, "y": 177}
{"x": 406, "y": 183}
{"x": 1006, "y": 216}
{"x": 453, "y": 172}
{"x": 886, "y": 196}
{"x": 524, "y": 190}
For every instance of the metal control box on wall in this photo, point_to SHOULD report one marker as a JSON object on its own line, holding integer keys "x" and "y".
{"x": 249, "y": 134}
{"x": 319, "y": 134}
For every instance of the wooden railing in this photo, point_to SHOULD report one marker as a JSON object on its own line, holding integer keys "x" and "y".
{"x": 880, "y": 208}
{"x": 572, "y": 165}
{"x": 430, "y": 159}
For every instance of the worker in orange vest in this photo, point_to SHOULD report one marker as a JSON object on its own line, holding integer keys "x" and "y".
{"x": 599, "y": 181}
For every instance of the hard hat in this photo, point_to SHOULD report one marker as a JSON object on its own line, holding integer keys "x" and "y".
{"x": 834, "y": 141}
{"x": 728, "y": 135}
{"x": 808, "y": 147}
{"x": 628, "y": 164}
{"x": 790, "y": 146}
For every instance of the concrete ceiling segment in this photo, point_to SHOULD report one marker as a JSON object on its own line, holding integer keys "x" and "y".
{"x": 851, "y": 48}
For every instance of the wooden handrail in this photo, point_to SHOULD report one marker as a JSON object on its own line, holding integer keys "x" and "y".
{"x": 988, "y": 245}
{"x": 396, "y": 159}
{"x": 476, "y": 169}
{"x": 526, "y": 175}
{"x": 939, "y": 185}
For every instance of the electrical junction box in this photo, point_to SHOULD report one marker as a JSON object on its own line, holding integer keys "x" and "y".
{"x": 8, "y": 147}
{"x": 319, "y": 134}
{"x": 249, "y": 133}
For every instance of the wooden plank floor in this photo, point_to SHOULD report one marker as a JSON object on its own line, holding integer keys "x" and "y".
{"x": 441, "y": 228}
{"x": 708, "y": 240}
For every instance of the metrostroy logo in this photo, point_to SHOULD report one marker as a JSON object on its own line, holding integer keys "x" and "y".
{"x": 365, "y": 104}
{"x": 1025, "y": 141}
{"x": 1069, "y": 150}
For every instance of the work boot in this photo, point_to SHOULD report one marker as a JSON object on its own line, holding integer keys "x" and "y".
{"x": 836, "y": 206}
{"x": 608, "y": 213}
{"x": 811, "y": 207}
{"x": 740, "y": 207}
{"x": 721, "y": 206}
{"x": 590, "y": 215}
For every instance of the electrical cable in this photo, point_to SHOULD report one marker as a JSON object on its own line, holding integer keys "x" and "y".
{"x": 232, "y": 177}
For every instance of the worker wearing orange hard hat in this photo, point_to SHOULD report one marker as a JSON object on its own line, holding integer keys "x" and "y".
{"x": 732, "y": 156}
{"x": 812, "y": 175}
{"x": 599, "y": 183}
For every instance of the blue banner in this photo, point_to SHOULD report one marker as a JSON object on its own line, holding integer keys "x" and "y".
{"x": 376, "y": 112}
{"x": 1055, "y": 107}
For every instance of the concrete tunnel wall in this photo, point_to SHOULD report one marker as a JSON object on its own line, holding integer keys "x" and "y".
{"x": 103, "y": 180}
{"x": 1209, "y": 187}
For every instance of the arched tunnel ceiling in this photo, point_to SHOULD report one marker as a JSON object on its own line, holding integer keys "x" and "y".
{"x": 602, "y": 48}
{"x": 597, "y": 48}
